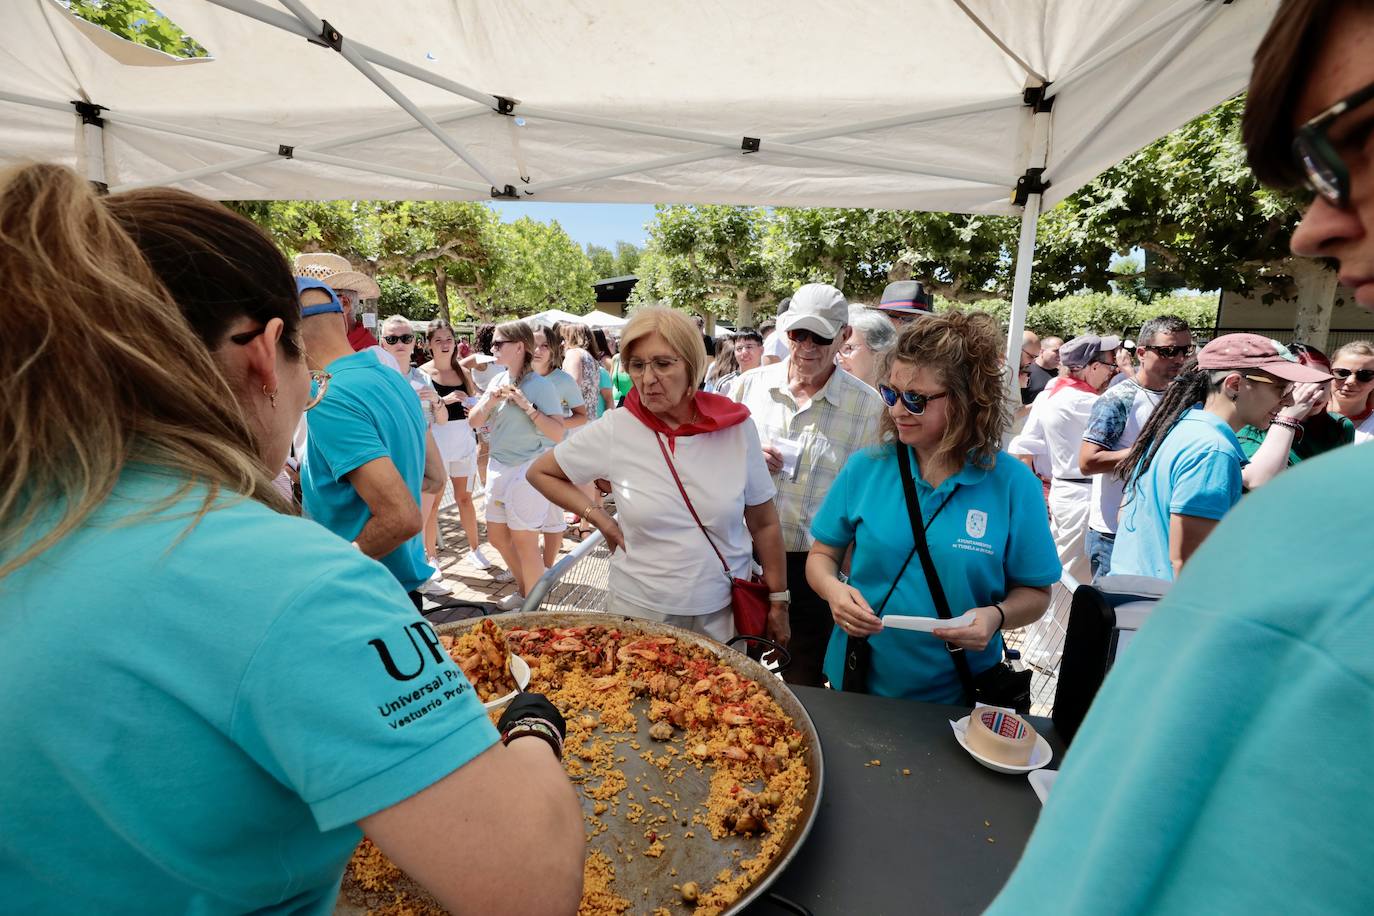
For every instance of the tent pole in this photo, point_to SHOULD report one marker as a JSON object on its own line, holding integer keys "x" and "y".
{"x": 1020, "y": 290}
{"x": 95, "y": 154}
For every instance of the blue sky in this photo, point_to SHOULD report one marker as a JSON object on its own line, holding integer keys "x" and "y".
{"x": 594, "y": 224}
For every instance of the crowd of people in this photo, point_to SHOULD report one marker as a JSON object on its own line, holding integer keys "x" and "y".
{"x": 854, "y": 461}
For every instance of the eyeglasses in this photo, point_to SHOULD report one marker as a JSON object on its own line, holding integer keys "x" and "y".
{"x": 660, "y": 364}
{"x": 1363, "y": 376}
{"x": 801, "y": 335}
{"x": 498, "y": 344}
{"x": 1266, "y": 380}
{"x": 394, "y": 339}
{"x": 1326, "y": 172}
{"x": 319, "y": 384}
{"x": 1169, "y": 352}
{"x": 913, "y": 402}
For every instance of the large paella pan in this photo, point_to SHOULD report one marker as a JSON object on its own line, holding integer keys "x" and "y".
{"x": 701, "y": 822}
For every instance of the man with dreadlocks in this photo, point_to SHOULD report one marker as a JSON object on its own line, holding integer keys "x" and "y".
{"x": 1184, "y": 472}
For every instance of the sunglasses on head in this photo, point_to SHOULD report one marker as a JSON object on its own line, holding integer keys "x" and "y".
{"x": 393, "y": 339}
{"x": 801, "y": 335}
{"x": 1169, "y": 352}
{"x": 1363, "y": 376}
{"x": 1325, "y": 171}
{"x": 913, "y": 402}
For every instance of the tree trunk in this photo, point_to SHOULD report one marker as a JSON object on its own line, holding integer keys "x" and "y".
{"x": 839, "y": 277}
{"x": 1316, "y": 285}
{"x": 441, "y": 291}
{"x": 744, "y": 309}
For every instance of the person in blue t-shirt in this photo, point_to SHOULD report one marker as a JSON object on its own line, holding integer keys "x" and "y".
{"x": 1184, "y": 471}
{"x": 984, "y": 516}
{"x": 365, "y": 455}
{"x": 211, "y": 724}
{"x": 524, "y": 412}
{"x": 1224, "y": 766}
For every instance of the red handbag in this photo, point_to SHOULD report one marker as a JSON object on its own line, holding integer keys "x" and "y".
{"x": 748, "y": 597}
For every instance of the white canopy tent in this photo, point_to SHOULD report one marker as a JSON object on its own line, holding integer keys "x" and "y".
{"x": 992, "y": 106}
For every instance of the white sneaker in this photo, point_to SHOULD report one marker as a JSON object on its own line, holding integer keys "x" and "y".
{"x": 479, "y": 559}
{"x": 436, "y": 587}
{"x": 511, "y": 602}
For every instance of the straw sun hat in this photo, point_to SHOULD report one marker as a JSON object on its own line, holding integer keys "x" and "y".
{"x": 337, "y": 272}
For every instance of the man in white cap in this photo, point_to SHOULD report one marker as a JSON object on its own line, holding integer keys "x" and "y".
{"x": 1054, "y": 432}
{"x": 811, "y": 416}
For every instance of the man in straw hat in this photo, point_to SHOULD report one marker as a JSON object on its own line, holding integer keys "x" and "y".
{"x": 350, "y": 285}
{"x": 1226, "y": 757}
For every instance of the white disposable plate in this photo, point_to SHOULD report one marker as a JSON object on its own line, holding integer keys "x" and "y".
{"x": 1040, "y": 755}
{"x": 1042, "y": 781}
{"x": 520, "y": 670}
{"x": 927, "y": 624}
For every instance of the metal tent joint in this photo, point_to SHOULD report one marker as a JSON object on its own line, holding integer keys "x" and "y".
{"x": 504, "y": 105}
{"x": 102, "y": 189}
{"x": 750, "y": 145}
{"x": 1033, "y": 182}
{"x": 329, "y": 37}
{"x": 89, "y": 112}
{"x": 1036, "y": 100}
{"x": 286, "y": 152}
{"x": 506, "y": 193}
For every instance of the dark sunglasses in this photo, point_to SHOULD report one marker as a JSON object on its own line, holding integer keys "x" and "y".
{"x": 1170, "y": 352}
{"x": 1325, "y": 170}
{"x": 393, "y": 339}
{"x": 1363, "y": 376}
{"x": 801, "y": 335}
{"x": 498, "y": 344}
{"x": 913, "y": 402}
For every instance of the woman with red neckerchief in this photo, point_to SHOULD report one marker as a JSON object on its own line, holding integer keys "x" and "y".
{"x": 664, "y": 567}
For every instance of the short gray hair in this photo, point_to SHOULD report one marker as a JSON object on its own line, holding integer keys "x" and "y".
{"x": 1162, "y": 324}
{"x": 878, "y": 332}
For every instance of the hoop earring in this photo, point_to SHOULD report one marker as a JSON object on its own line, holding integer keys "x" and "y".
{"x": 271, "y": 396}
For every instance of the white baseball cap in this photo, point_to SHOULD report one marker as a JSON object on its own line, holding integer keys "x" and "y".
{"x": 817, "y": 307}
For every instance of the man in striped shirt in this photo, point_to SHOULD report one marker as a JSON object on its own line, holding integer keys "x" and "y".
{"x": 811, "y": 416}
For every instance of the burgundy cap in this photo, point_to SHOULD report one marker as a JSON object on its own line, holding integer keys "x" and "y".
{"x": 1251, "y": 351}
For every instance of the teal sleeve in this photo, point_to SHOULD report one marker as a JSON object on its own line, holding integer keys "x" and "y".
{"x": 1031, "y": 556}
{"x": 1250, "y": 440}
{"x": 835, "y": 522}
{"x": 1206, "y": 485}
{"x": 349, "y": 700}
{"x": 344, "y": 435}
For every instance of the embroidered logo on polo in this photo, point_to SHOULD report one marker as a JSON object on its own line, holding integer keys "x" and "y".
{"x": 419, "y": 654}
{"x": 977, "y": 523}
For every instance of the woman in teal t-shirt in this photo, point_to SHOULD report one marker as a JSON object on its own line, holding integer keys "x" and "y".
{"x": 237, "y": 694}
{"x": 983, "y": 512}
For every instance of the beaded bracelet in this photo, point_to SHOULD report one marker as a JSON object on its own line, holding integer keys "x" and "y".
{"x": 540, "y": 728}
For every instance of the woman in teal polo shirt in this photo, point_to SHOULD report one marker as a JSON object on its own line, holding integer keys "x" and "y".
{"x": 209, "y": 699}
{"x": 984, "y": 514}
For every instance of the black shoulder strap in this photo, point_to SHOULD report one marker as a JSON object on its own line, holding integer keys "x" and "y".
{"x": 937, "y": 591}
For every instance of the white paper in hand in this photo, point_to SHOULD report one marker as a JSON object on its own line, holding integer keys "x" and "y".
{"x": 790, "y": 450}
{"x": 927, "y": 624}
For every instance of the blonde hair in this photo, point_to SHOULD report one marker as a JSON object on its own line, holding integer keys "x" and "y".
{"x": 576, "y": 335}
{"x": 397, "y": 319}
{"x": 680, "y": 331}
{"x": 518, "y": 331}
{"x": 965, "y": 350}
{"x": 148, "y": 391}
{"x": 1363, "y": 348}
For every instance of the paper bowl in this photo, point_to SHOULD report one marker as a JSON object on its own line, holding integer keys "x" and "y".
{"x": 1040, "y": 756}
{"x": 520, "y": 670}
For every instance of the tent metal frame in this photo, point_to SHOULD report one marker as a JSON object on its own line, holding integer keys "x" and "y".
{"x": 298, "y": 19}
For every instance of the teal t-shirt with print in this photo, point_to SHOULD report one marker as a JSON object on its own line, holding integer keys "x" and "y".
{"x": 991, "y": 535}
{"x": 1224, "y": 766}
{"x": 198, "y": 727}
{"x": 368, "y": 412}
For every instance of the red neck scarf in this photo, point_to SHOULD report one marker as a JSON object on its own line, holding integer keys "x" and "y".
{"x": 713, "y": 411}
{"x": 1065, "y": 381}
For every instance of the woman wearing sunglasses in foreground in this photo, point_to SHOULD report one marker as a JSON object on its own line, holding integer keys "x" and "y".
{"x": 234, "y": 694}
{"x": 1352, "y": 387}
{"x": 982, "y": 511}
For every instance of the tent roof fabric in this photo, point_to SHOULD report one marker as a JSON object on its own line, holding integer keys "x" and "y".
{"x": 912, "y": 104}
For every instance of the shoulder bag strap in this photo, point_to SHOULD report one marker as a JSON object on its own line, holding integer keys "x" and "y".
{"x": 690, "y": 508}
{"x": 937, "y": 591}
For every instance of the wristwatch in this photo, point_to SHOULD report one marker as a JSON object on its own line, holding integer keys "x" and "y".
{"x": 784, "y": 595}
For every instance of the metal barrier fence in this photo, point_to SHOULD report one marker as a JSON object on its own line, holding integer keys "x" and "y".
{"x": 575, "y": 583}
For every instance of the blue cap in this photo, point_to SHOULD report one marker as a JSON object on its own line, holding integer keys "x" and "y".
{"x": 333, "y": 305}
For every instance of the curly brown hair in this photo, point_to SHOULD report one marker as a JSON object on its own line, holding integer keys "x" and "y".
{"x": 966, "y": 350}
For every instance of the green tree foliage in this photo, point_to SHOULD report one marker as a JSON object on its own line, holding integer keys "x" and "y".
{"x": 540, "y": 267}
{"x": 139, "y": 22}
{"x": 603, "y": 261}
{"x": 706, "y": 259}
{"x": 1104, "y": 313}
{"x": 400, "y": 297}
